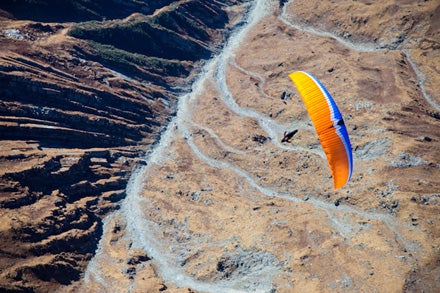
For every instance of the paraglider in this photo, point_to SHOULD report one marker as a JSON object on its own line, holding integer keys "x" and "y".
{"x": 288, "y": 135}
{"x": 329, "y": 125}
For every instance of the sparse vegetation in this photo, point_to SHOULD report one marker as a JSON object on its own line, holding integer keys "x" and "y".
{"x": 143, "y": 37}
{"x": 133, "y": 64}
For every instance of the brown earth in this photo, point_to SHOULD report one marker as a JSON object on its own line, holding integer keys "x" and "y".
{"x": 230, "y": 206}
{"x": 227, "y": 206}
{"x": 75, "y": 121}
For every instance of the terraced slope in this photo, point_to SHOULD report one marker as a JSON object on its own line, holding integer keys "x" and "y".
{"x": 80, "y": 103}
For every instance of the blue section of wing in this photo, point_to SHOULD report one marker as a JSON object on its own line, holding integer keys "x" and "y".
{"x": 341, "y": 130}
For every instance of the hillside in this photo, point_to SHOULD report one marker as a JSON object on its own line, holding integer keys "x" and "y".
{"x": 80, "y": 106}
{"x": 128, "y": 163}
{"x": 224, "y": 206}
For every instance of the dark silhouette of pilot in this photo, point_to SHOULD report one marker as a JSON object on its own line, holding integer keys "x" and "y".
{"x": 288, "y": 135}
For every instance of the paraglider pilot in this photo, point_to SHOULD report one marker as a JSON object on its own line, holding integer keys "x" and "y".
{"x": 289, "y": 135}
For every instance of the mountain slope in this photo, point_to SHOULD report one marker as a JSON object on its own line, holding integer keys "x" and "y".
{"x": 77, "y": 11}
{"x": 80, "y": 105}
{"x": 224, "y": 206}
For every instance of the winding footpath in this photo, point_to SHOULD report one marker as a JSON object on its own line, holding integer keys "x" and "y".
{"x": 359, "y": 47}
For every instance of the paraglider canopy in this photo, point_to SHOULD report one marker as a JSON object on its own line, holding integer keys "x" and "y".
{"x": 329, "y": 125}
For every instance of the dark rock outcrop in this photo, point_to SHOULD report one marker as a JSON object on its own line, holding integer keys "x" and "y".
{"x": 82, "y": 10}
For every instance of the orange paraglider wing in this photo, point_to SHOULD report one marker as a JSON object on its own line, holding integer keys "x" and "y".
{"x": 329, "y": 125}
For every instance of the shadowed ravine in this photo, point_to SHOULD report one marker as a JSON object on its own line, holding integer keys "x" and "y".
{"x": 214, "y": 210}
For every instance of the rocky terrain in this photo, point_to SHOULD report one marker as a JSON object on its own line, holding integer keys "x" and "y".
{"x": 80, "y": 104}
{"x": 219, "y": 204}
